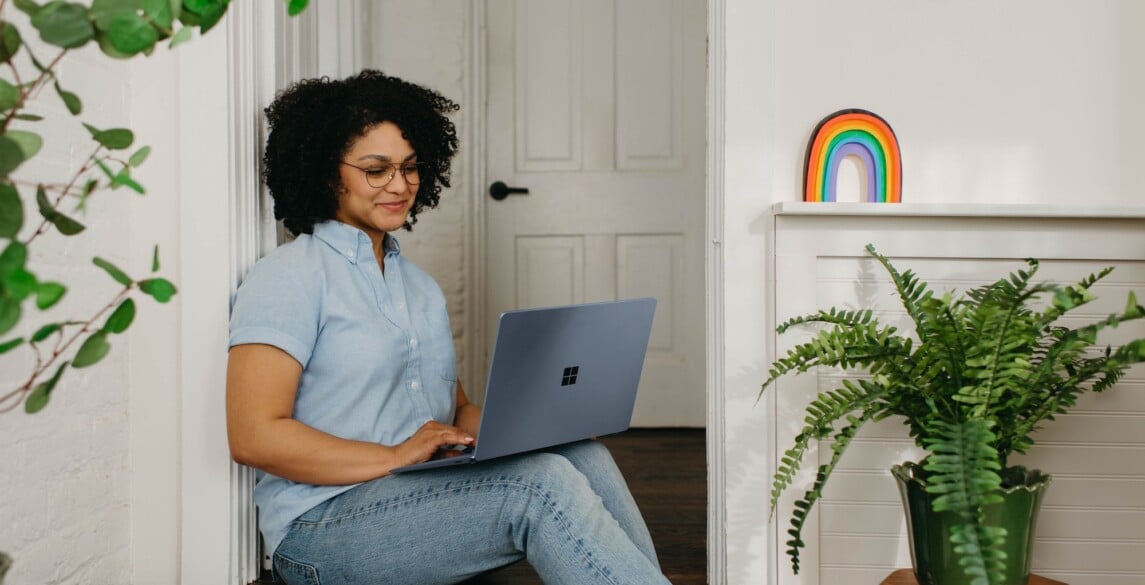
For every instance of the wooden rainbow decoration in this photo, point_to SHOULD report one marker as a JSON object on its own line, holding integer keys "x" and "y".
{"x": 858, "y": 133}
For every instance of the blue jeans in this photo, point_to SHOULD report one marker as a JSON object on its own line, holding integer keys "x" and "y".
{"x": 567, "y": 510}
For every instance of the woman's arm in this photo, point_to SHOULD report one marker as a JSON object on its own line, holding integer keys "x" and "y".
{"x": 262, "y": 381}
{"x": 467, "y": 416}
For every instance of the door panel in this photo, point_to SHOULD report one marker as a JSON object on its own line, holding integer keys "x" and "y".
{"x": 597, "y": 108}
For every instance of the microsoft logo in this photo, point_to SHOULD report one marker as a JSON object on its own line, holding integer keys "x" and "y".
{"x": 569, "y": 376}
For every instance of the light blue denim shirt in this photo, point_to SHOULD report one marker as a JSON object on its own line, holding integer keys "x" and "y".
{"x": 376, "y": 352}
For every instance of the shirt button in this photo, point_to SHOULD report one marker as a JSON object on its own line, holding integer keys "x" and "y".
{"x": 413, "y": 384}
{"x": 401, "y": 306}
{"x": 413, "y": 343}
{"x": 349, "y": 252}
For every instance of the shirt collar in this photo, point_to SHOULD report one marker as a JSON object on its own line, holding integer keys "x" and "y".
{"x": 350, "y": 242}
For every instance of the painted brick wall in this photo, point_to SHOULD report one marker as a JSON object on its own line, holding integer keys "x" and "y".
{"x": 64, "y": 509}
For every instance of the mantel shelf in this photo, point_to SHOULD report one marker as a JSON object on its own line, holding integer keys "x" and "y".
{"x": 1032, "y": 211}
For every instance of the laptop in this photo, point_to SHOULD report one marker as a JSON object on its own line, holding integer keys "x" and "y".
{"x": 558, "y": 375}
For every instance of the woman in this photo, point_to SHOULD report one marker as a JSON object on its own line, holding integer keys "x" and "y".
{"x": 342, "y": 367}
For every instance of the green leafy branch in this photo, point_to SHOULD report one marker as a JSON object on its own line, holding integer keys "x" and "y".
{"x": 121, "y": 29}
{"x": 96, "y": 344}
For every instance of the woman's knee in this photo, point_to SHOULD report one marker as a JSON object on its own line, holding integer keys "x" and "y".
{"x": 550, "y": 469}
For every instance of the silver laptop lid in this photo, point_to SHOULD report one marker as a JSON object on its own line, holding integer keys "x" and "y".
{"x": 563, "y": 374}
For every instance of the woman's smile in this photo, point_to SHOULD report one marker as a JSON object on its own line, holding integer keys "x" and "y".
{"x": 377, "y": 209}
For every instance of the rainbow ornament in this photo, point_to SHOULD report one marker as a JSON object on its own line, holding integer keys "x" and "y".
{"x": 857, "y": 133}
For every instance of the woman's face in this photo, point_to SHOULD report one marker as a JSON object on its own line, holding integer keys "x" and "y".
{"x": 376, "y": 210}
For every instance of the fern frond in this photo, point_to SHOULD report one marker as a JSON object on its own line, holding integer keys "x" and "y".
{"x": 962, "y": 472}
{"x": 832, "y": 317}
{"x": 865, "y": 344}
{"x": 822, "y": 414}
{"x": 839, "y": 444}
{"x": 962, "y": 466}
{"x": 980, "y": 552}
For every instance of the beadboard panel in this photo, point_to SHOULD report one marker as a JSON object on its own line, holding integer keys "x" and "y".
{"x": 1090, "y": 527}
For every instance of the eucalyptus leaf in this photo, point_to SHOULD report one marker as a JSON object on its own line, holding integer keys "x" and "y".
{"x": 63, "y": 24}
{"x": 123, "y": 178}
{"x": 132, "y": 34}
{"x": 37, "y": 399}
{"x": 11, "y": 211}
{"x": 115, "y": 138}
{"x": 139, "y": 156}
{"x": 66, "y": 225}
{"x": 198, "y": 6}
{"x": 88, "y": 187}
{"x": 109, "y": 49}
{"x": 211, "y": 15}
{"x": 9, "y": 41}
{"x": 47, "y": 211}
{"x": 13, "y": 257}
{"x": 121, "y": 318}
{"x": 159, "y": 13}
{"x": 112, "y": 270}
{"x": 28, "y": 7}
{"x": 9, "y": 313}
{"x": 11, "y": 344}
{"x": 181, "y": 36}
{"x": 28, "y": 117}
{"x": 71, "y": 101}
{"x": 160, "y": 289}
{"x": 29, "y": 142}
{"x": 39, "y": 396}
{"x": 43, "y": 332}
{"x": 102, "y": 12}
{"x": 155, "y": 259}
{"x": 188, "y": 18}
{"x": 11, "y": 156}
{"x": 48, "y": 294}
{"x": 295, "y": 7}
{"x": 93, "y": 350}
{"x": 103, "y": 167}
{"x": 20, "y": 283}
{"x": 9, "y": 95}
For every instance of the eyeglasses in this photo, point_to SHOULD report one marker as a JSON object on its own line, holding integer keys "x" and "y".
{"x": 381, "y": 175}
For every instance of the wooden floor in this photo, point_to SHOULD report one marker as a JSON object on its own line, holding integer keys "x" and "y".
{"x": 666, "y": 470}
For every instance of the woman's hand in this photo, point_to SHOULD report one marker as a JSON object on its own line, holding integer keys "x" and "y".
{"x": 429, "y": 440}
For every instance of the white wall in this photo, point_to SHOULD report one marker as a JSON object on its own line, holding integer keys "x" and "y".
{"x": 65, "y": 510}
{"x": 1016, "y": 102}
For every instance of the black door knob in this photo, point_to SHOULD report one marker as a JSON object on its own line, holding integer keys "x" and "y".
{"x": 500, "y": 191}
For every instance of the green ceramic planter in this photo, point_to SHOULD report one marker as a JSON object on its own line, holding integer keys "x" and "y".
{"x": 930, "y": 550}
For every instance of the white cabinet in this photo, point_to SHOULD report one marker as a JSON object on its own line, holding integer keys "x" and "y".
{"x": 1092, "y": 527}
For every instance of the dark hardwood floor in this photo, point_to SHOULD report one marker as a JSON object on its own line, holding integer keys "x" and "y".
{"x": 666, "y": 470}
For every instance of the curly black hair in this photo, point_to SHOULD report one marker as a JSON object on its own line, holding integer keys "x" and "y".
{"x": 314, "y": 122}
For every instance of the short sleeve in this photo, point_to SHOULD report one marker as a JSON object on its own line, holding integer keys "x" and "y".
{"x": 279, "y": 306}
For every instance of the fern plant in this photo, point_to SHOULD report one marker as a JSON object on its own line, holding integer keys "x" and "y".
{"x": 981, "y": 372}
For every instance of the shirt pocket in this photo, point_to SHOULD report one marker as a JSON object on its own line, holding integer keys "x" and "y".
{"x": 438, "y": 355}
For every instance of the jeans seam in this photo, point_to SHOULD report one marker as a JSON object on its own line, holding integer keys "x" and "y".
{"x": 548, "y": 502}
{"x": 310, "y": 570}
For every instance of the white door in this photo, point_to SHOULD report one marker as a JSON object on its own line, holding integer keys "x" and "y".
{"x": 597, "y": 108}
